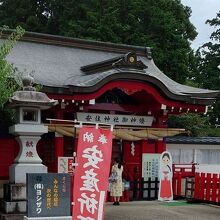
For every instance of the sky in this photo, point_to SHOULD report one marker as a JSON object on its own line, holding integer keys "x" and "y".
{"x": 201, "y": 11}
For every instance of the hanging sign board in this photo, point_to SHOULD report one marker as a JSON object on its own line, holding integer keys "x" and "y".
{"x": 129, "y": 120}
{"x": 91, "y": 176}
{"x": 150, "y": 165}
{"x": 165, "y": 176}
{"x": 65, "y": 165}
{"x": 48, "y": 194}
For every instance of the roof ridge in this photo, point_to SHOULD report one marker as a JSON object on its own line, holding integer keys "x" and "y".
{"x": 81, "y": 43}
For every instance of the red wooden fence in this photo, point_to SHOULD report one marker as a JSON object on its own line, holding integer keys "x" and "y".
{"x": 177, "y": 184}
{"x": 180, "y": 172}
{"x": 207, "y": 187}
{"x": 187, "y": 170}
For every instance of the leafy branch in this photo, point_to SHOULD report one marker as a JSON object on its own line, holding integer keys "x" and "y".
{"x": 7, "y": 71}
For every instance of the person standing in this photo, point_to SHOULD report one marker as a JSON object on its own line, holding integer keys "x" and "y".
{"x": 117, "y": 187}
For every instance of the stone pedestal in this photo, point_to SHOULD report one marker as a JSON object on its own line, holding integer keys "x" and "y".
{"x": 27, "y": 160}
{"x": 14, "y": 192}
{"x": 17, "y": 216}
{"x": 13, "y": 206}
{"x": 17, "y": 172}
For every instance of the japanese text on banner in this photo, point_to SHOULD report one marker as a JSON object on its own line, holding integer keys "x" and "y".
{"x": 91, "y": 180}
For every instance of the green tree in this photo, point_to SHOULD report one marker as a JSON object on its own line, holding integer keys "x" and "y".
{"x": 208, "y": 62}
{"x": 163, "y": 25}
{"x": 7, "y": 71}
{"x": 31, "y": 15}
{"x": 195, "y": 124}
{"x": 7, "y": 75}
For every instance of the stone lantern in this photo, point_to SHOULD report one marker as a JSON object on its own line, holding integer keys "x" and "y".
{"x": 28, "y": 129}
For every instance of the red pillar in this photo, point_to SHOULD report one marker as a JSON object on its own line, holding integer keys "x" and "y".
{"x": 160, "y": 146}
{"x": 59, "y": 151}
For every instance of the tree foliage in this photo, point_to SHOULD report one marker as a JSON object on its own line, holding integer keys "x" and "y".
{"x": 7, "y": 71}
{"x": 163, "y": 25}
{"x": 208, "y": 63}
{"x": 29, "y": 14}
{"x": 195, "y": 124}
{"x": 7, "y": 74}
{"x": 207, "y": 77}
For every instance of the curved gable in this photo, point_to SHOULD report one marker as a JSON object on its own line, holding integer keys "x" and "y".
{"x": 69, "y": 66}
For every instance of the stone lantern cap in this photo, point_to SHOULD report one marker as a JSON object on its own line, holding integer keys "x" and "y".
{"x": 30, "y": 97}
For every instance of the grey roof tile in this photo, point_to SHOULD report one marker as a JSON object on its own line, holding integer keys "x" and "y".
{"x": 193, "y": 140}
{"x": 59, "y": 66}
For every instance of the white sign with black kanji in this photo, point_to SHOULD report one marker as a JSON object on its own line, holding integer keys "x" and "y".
{"x": 133, "y": 120}
{"x": 150, "y": 165}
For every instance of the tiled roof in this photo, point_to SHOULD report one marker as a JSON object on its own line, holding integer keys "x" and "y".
{"x": 193, "y": 140}
{"x": 56, "y": 63}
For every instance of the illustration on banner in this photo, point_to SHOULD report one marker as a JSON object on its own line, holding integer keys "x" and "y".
{"x": 165, "y": 176}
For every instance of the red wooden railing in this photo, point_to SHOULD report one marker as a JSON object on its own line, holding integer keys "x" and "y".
{"x": 187, "y": 170}
{"x": 177, "y": 184}
{"x": 180, "y": 172}
{"x": 207, "y": 187}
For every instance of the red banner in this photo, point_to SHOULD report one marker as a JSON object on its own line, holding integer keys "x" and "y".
{"x": 91, "y": 176}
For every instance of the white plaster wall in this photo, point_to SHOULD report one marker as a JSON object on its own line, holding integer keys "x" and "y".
{"x": 208, "y": 168}
{"x": 194, "y": 153}
{"x": 191, "y": 152}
